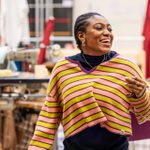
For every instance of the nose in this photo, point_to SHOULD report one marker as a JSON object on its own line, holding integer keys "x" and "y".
{"x": 106, "y": 32}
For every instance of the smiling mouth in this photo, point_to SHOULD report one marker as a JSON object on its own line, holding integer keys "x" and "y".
{"x": 105, "y": 42}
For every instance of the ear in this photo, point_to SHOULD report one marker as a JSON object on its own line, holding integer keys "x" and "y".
{"x": 81, "y": 36}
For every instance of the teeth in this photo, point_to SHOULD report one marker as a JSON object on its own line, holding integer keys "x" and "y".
{"x": 105, "y": 41}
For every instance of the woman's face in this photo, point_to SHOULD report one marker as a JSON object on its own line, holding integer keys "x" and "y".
{"x": 98, "y": 36}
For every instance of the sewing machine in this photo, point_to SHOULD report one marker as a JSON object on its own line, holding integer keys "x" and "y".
{"x": 28, "y": 55}
{"x": 24, "y": 55}
{"x": 53, "y": 54}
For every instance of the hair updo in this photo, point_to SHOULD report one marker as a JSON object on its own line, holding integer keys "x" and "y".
{"x": 81, "y": 24}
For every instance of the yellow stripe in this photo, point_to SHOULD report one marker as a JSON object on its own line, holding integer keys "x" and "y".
{"x": 144, "y": 111}
{"x": 79, "y": 111}
{"x": 132, "y": 65}
{"x": 51, "y": 104}
{"x": 142, "y": 105}
{"x": 116, "y": 70}
{"x": 76, "y": 78}
{"x": 47, "y": 125}
{"x": 111, "y": 102}
{"x": 56, "y": 78}
{"x": 136, "y": 99}
{"x": 76, "y": 88}
{"x": 68, "y": 72}
{"x": 112, "y": 90}
{"x": 49, "y": 136}
{"x": 76, "y": 100}
{"x": 117, "y": 126}
{"x": 49, "y": 115}
{"x": 74, "y": 127}
{"x": 115, "y": 80}
{"x": 112, "y": 113}
{"x": 129, "y": 63}
{"x": 40, "y": 144}
{"x": 59, "y": 64}
{"x": 83, "y": 121}
{"x": 141, "y": 120}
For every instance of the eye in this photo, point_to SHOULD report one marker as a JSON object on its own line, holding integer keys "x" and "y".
{"x": 109, "y": 28}
{"x": 98, "y": 27}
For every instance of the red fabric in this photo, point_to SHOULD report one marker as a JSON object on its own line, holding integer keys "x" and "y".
{"x": 147, "y": 54}
{"x": 46, "y": 40}
{"x": 146, "y": 34}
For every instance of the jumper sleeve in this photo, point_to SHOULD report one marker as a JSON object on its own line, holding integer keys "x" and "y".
{"x": 48, "y": 121}
{"x": 141, "y": 105}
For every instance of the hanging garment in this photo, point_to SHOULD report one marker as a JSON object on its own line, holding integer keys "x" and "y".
{"x": 46, "y": 40}
{"x": 146, "y": 34}
{"x": 14, "y": 22}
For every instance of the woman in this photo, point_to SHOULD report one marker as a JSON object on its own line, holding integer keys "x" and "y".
{"x": 92, "y": 93}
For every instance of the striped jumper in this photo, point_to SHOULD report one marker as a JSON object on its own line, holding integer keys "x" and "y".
{"x": 79, "y": 99}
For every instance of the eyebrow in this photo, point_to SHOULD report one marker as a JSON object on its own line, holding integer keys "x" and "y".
{"x": 103, "y": 24}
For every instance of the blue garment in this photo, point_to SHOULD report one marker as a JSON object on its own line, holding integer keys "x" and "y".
{"x": 95, "y": 137}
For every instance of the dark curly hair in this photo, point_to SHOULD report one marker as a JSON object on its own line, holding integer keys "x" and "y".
{"x": 81, "y": 24}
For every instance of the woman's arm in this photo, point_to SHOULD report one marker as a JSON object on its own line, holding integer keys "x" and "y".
{"x": 46, "y": 126}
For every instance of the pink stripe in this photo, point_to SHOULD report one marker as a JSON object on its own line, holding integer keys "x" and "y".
{"x": 111, "y": 107}
{"x": 113, "y": 130}
{"x": 60, "y": 69}
{"x": 49, "y": 120}
{"x": 142, "y": 109}
{"x": 63, "y": 78}
{"x": 76, "y": 94}
{"x": 35, "y": 148}
{"x": 92, "y": 123}
{"x": 78, "y": 130}
{"x": 42, "y": 139}
{"x": 63, "y": 67}
{"x": 50, "y": 99}
{"x": 77, "y": 106}
{"x": 113, "y": 119}
{"x": 45, "y": 130}
{"x": 113, "y": 75}
{"x": 146, "y": 117}
{"x": 139, "y": 118}
{"x": 73, "y": 84}
{"x": 86, "y": 125}
{"x": 122, "y": 67}
{"x": 112, "y": 96}
{"x": 68, "y": 76}
{"x": 80, "y": 117}
{"x": 51, "y": 110}
{"x": 137, "y": 102}
{"x": 113, "y": 85}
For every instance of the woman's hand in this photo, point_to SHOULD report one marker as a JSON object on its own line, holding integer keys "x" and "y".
{"x": 137, "y": 86}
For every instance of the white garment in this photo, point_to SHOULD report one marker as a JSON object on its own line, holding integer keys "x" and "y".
{"x": 3, "y": 52}
{"x": 14, "y": 22}
{"x": 1, "y": 24}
